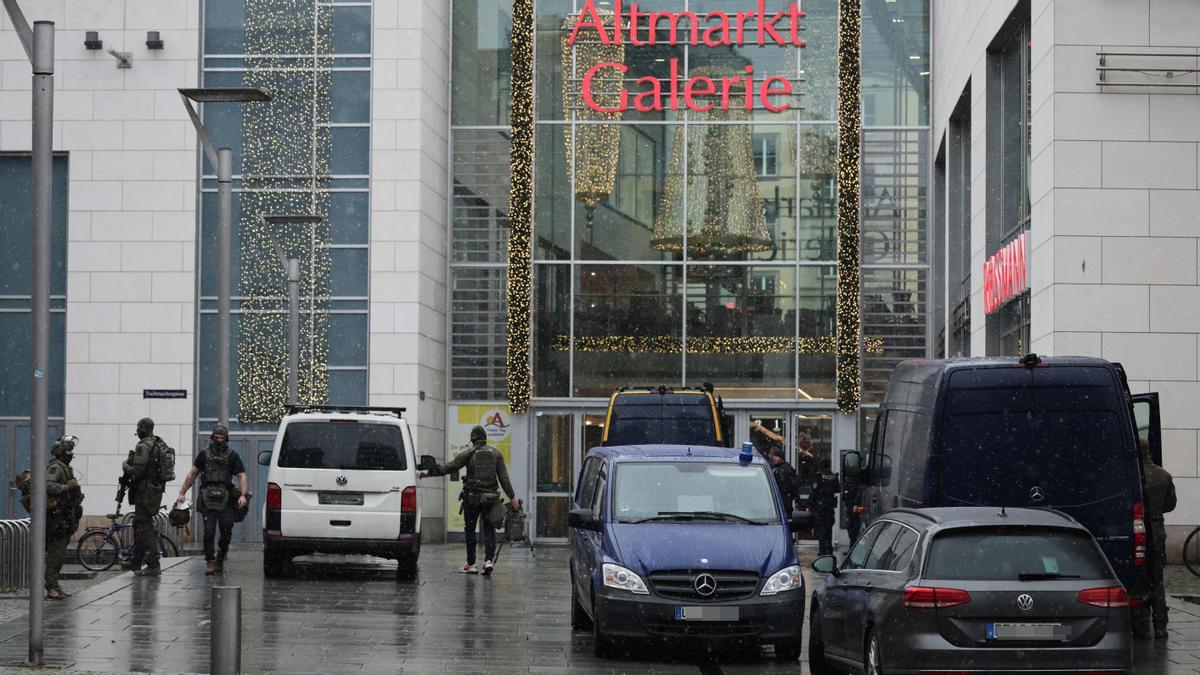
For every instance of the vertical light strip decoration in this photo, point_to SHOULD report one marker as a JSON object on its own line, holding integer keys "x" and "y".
{"x": 285, "y": 168}
{"x": 849, "y": 289}
{"x": 520, "y": 261}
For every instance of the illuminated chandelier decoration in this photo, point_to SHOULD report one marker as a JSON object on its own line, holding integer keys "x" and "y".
{"x": 285, "y": 169}
{"x": 723, "y": 210}
{"x": 593, "y": 152}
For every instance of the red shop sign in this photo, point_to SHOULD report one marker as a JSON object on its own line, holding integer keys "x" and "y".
{"x": 1004, "y": 274}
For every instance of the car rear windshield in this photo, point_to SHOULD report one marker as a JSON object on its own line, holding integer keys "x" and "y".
{"x": 1006, "y": 430}
{"x": 360, "y": 446}
{"x": 1014, "y": 554}
{"x": 681, "y": 419}
{"x": 650, "y": 490}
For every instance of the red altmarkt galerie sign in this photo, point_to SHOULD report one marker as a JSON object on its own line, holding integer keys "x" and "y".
{"x": 1004, "y": 274}
{"x": 636, "y": 27}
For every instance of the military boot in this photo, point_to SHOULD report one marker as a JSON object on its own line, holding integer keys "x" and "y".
{"x": 55, "y": 593}
{"x": 220, "y": 564}
{"x": 149, "y": 572}
{"x": 212, "y": 567}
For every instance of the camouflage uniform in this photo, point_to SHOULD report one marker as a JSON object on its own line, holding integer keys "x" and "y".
{"x": 1159, "y": 493}
{"x": 145, "y": 493}
{"x": 486, "y": 474}
{"x": 62, "y": 518}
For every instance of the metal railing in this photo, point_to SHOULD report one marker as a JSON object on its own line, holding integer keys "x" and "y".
{"x": 14, "y": 553}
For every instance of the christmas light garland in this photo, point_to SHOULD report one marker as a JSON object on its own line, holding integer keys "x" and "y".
{"x": 285, "y": 169}
{"x": 849, "y": 290}
{"x": 520, "y": 216}
{"x": 666, "y": 344}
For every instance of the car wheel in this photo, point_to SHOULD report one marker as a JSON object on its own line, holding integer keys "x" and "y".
{"x": 579, "y": 618}
{"x": 406, "y": 566}
{"x": 601, "y": 645}
{"x": 872, "y": 661}
{"x": 816, "y": 645}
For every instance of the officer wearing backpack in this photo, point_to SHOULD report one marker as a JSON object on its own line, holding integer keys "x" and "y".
{"x": 64, "y": 508}
{"x": 486, "y": 474}
{"x": 216, "y": 466}
{"x": 150, "y": 466}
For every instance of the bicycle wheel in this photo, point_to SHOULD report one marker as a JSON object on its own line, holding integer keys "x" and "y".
{"x": 166, "y": 547}
{"x": 97, "y": 551}
{"x": 1191, "y": 552}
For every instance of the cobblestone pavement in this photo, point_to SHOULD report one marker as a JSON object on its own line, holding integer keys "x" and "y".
{"x": 358, "y": 618}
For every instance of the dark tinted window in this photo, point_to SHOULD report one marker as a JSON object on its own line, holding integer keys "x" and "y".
{"x": 333, "y": 445}
{"x": 1007, "y": 429}
{"x": 597, "y": 505}
{"x": 680, "y": 419}
{"x": 899, "y": 554}
{"x": 858, "y": 554}
{"x": 587, "y": 484}
{"x": 991, "y": 553}
{"x": 877, "y": 559}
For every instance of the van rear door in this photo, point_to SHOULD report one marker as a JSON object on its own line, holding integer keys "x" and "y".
{"x": 342, "y": 478}
{"x": 1056, "y": 437}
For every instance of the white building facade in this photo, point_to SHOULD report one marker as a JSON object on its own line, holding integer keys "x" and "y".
{"x": 1074, "y": 125}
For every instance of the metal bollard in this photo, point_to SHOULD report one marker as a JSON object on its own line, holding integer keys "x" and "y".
{"x": 225, "y": 648}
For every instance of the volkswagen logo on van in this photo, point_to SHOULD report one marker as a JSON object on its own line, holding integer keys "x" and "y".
{"x": 1025, "y": 602}
{"x": 1036, "y": 493}
{"x": 342, "y": 480}
{"x": 705, "y": 585}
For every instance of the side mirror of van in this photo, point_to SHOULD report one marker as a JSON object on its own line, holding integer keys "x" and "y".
{"x": 427, "y": 463}
{"x": 582, "y": 519}
{"x": 852, "y": 466}
{"x": 801, "y": 520}
{"x": 264, "y": 458}
{"x": 826, "y": 564}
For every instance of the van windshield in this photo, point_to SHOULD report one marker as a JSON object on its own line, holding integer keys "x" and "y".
{"x": 1008, "y": 431}
{"x": 680, "y": 419}
{"x": 708, "y": 491}
{"x": 352, "y": 446}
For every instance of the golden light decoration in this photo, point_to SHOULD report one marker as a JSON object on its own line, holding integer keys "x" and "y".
{"x": 849, "y": 230}
{"x": 593, "y": 153}
{"x": 285, "y": 169}
{"x": 667, "y": 344}
{"x": 520, "y": 215}
{"x": 723, "y": 211}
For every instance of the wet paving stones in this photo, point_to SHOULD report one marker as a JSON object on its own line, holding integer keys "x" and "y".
{"x": 355, "y": 617}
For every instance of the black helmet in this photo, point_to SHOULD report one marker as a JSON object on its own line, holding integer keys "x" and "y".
{"x": 478, "y": 435}
{"x": 180, "y": 513}
{"x": 145, "y": 427}
{"x": 63, "y": 444}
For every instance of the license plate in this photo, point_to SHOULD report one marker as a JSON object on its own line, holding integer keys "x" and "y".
{"x": 706, "y": 613}
{"x": 340, "y": 498}
{"x": 1027, "y": 631}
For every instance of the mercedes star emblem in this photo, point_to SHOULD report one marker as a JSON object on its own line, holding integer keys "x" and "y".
{"x": 342, "y": 480}
{"x": 705, "y": 585}
{"x": 1037, "y": 494}
{"x": 1025, "y": 602}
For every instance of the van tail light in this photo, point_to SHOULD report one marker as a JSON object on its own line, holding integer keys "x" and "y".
{"x": 1139, "y": 534}
{"x": 925, "y": 597}
{"x": 408, "y": 500}
{"x": 1109, "y": 596}
{"x": 274, "y": 496}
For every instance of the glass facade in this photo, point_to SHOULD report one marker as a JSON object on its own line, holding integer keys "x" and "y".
{"x": 308, "y": 151}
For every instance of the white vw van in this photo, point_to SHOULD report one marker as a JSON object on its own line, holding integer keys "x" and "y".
{"x": 342, "y": 479}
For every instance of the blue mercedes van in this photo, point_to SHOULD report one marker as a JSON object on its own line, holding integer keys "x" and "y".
{"x": 673, "y": 541}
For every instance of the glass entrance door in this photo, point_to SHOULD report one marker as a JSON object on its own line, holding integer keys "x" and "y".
{"x": 561, "y": 439}
{"x": 805, "y": 436}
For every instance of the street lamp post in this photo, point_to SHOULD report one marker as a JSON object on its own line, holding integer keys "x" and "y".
{"x": 222, "y": 161}
{"x": 39, "y": 47}
{"x": 291, "y": 267}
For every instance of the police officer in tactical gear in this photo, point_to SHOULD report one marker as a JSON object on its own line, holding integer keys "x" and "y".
{"x": 822, "y": 504}
{"x": 145, "y": 493}
{"x": 486, "y": 474}
{"x": 64, "y": 508}
{"x": 785, "y": 478}
{"x": 216, "y": 466}
{"x": 1159, "y": 493}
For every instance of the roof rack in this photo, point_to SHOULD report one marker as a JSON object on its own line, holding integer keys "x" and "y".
{"x": 661, "y": 388}
{"x": 294, "y": 408}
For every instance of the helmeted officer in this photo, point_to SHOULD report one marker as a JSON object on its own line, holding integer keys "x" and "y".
{"x": 64, "y": 508}
{"x": 785, "y": 478}
{"x": 1159, "y": 493}
{"x": 486, "y": 475}
{"x": 216, "y": 466}
{"x": 145, "y": 493}
{"x": 823, "y": 503}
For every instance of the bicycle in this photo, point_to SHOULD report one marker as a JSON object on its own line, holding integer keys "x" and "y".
{"x": 100, "y": 547}
{"x": 1191, "y": 552}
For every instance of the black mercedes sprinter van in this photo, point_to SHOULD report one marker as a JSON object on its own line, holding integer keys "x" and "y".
{"x": 1059, "y": 433}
